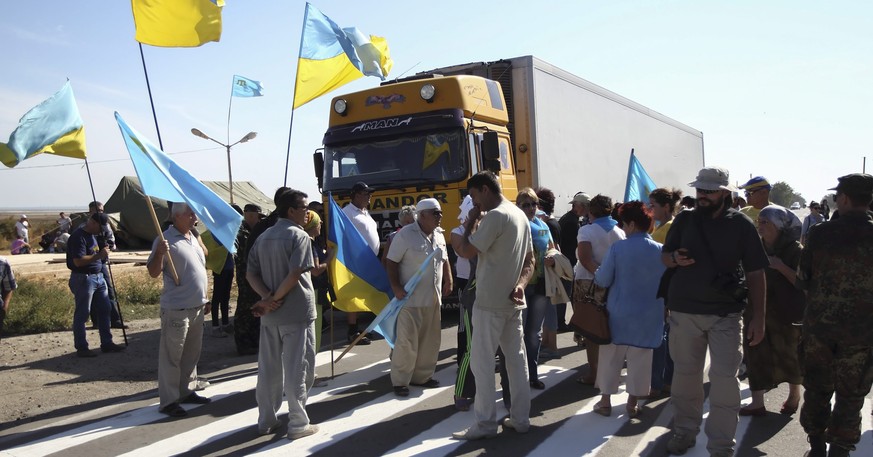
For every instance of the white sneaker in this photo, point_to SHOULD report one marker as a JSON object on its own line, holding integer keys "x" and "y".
{"x": 508, "y": 423}
{"x": 309, "y": 430}
{"x": 217, "y": 332}
{"x": 269, "y": 430}
{"x": 201, "y": 383}
{"x": 472, "y": 434}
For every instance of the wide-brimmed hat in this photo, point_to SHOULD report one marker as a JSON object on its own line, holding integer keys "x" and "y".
{"x": 713, "y": 178}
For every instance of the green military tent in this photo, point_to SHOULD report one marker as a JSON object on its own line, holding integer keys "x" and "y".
{"x": 135, "y": 229}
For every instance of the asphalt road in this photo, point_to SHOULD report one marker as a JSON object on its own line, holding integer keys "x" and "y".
{"x": 359, "y": 415}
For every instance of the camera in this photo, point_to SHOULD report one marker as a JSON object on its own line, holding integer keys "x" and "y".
{"x": 732, "y": 285}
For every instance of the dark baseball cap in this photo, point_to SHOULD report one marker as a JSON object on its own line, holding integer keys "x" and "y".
{"x": 361, "y": 186}
{"x": 253, "y": 208}
{"x": 855, "y": 183}
{"x": 100, "y": 218}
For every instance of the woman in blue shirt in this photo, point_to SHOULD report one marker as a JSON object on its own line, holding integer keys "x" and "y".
{"x": 632, "y": 271}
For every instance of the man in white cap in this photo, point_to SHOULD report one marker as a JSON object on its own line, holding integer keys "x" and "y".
{"x": 417, "y": 346}
{"x": 22, "y": 227}
{"x": 720, "y": 262}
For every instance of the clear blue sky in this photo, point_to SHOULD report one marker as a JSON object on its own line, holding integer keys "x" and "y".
{"x": 782, "y": 89}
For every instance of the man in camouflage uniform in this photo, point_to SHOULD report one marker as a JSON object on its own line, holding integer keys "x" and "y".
{"x": 247, "y": 327}
{"x": 837, "y": 344}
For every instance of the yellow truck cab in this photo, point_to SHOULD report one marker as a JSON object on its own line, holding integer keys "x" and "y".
{"x": 416, "y": 138}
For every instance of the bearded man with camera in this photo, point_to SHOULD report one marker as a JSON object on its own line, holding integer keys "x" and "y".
{"x": 719, "y": 260}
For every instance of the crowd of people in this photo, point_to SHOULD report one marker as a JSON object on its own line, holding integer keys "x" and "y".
{"x": 766, "y": 295}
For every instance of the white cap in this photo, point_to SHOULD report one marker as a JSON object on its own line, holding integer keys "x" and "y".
{"x": 427, "y": 203}
{"x": 24, "y": 216}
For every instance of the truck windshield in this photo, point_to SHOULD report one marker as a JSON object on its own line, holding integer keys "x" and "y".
{"x": 408, "y": 160}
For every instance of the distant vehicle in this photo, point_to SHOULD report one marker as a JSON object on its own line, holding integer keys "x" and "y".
{"x": 795, "y": 205}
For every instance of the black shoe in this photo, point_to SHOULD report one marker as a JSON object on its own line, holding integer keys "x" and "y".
{"x": 112, "y": 347}
{"x": 537, "y": 384}
{"x": 401, "y": 391}
{"x": 818, "y": 447}
{"x": 836, "y": 450}
{"x": 363, "y": 342}
{"x": 195, "y": 399}
{"x": 564, "y": 328}
{"x": 174, "y": 410}
{"x": 85, "y": 353}
{"x": 118, "y": 324}
{"x": 429, "y": 384}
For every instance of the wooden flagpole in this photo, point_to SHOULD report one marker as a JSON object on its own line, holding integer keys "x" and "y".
{"x": 161, "y": 236}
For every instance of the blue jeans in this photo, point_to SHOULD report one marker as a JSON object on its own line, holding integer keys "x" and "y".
{"x": 533, "y": 317}
{"x": 89, "y": 290}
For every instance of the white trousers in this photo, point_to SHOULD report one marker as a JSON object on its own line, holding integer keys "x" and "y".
{"x": 639, "y": 369}
{"x": 503, "y": 328}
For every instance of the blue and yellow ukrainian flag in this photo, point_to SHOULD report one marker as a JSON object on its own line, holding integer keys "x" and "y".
{"x": 53, "y": 127}
{"x": 356, "y": 274}
{"x": 331, "y": 56}
{"x": 639, "y": 184}
{"x": 177, "y": 23}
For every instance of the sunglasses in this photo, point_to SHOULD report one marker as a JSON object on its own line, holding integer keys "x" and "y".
{"x": 527, "y": 205}
{"x": 437, "y": 213}
{"x": 750, "y": 192}
{"x": 707, "y": 191}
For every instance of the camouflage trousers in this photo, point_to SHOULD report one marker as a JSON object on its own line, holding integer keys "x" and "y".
{"x": 832, "y": 367}
{"x": 246, "y": 327}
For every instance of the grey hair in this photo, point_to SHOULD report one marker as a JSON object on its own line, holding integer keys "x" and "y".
{"x": 406, "y": 211}
{"x": 178, "y": 208}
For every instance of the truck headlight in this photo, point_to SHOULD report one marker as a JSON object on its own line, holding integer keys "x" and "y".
{"x": 340, "y": 106}
{"x": 427, "y": 92}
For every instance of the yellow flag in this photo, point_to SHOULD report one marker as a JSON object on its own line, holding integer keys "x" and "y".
{"x": 177, "y": 23}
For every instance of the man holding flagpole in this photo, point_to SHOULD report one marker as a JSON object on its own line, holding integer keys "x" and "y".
{"x": 182, "y": 311}
{"x": 417, "y": 346}
{"x": 278, "y": 270}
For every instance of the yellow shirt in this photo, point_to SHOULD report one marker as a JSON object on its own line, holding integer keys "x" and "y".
{"x": 660, "y": 233}
{"x": 753, "y": 213}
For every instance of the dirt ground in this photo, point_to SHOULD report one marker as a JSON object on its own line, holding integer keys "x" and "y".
{"x": 41, "y": 374}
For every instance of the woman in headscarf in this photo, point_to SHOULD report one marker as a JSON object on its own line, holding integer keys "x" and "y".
{"x": 632, "y": 271}
{"x": 774, "y": 360}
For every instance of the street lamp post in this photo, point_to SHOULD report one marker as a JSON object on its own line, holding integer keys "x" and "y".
{"x": 249, "y": 136}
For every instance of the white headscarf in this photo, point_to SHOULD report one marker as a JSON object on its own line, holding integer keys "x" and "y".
{"x": 787, "y": 222}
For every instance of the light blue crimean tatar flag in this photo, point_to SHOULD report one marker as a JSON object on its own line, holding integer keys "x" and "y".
{"x": 161, "y": 177}
{"x": 386, "y": 321}
{"x": 639, "y": 184}
{"x": 245, "y": 87}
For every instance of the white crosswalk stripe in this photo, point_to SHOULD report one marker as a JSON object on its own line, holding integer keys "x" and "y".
{"x": 359, "y": 405}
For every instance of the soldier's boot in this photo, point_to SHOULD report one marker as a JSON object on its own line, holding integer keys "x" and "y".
{"x": 818, "y": 447}
{"x": 837, "y": 451}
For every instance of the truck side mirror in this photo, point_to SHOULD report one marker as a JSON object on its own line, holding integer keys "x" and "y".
{"x": 318, "y": 162}
{"x": 490, "y": 152}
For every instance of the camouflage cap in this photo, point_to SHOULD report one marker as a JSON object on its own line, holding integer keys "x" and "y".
{"x": 855, "y": 183}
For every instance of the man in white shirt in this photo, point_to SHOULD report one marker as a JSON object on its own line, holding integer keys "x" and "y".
{"x": 417, "y": 346}
{"x": 357, "y": 212}
{"x": 21, "y": 228}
